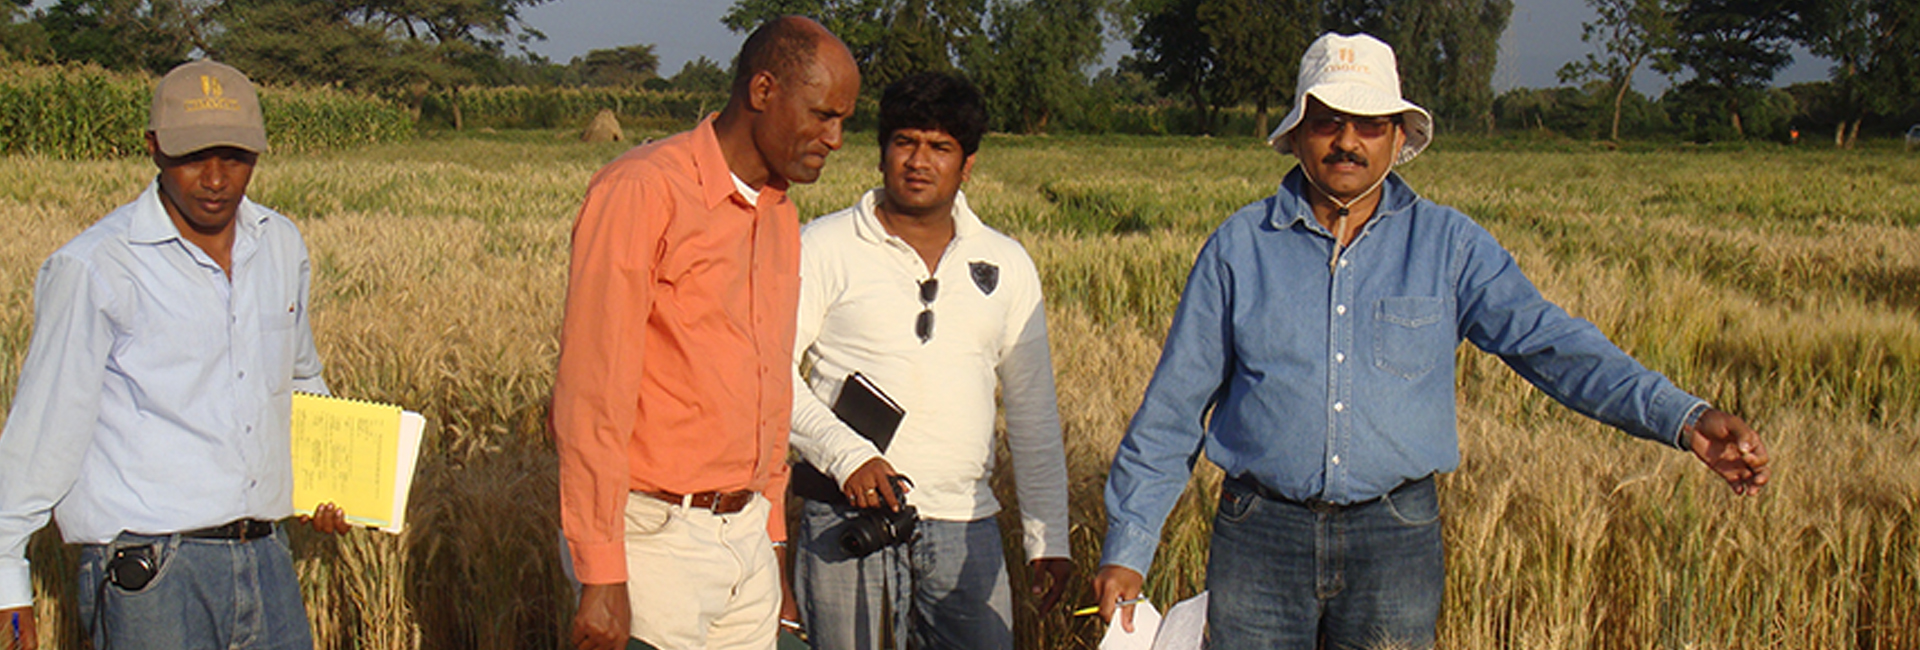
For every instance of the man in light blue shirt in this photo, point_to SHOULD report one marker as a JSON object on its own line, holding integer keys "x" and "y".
{"x": 153, "y": 411}
{"x": 1312, "y": 359}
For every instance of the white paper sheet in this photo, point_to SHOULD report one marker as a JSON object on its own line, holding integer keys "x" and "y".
{"x": 1146, "y": 624}
{"x": 1185, "y": 626}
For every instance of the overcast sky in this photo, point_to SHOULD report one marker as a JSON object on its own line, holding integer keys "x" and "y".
{"x": 1541, "y": 36}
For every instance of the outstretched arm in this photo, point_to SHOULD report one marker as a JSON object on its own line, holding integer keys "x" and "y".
{"x": 1731, "y": 449}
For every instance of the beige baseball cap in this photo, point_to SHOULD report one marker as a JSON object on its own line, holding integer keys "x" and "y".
{"x": 202, "y": 104}
{"x": 1356, "y": 75}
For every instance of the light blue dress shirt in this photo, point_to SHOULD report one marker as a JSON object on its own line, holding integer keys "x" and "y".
{"x": 1332, "y": 378}
{"x": 156, "y": 396}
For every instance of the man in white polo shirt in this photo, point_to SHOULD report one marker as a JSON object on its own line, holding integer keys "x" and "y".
{"x": 910, "y": 290}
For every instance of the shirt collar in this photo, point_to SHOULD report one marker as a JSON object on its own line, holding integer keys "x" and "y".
{"x": 151, "y": 225}
{"x": 867, "y": 218}
{"x": 1292, "y": 205}
{"x": 716, "y": 178}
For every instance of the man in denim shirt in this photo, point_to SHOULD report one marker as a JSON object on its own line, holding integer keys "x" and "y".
{"x": 1315, "y": 344}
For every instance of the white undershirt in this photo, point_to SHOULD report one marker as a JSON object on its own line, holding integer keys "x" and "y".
{"x": 746, "y": 191}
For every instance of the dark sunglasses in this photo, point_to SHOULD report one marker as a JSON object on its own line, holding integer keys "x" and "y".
{"x": 1369, "y": 126}
{"x": 923, "y": 324}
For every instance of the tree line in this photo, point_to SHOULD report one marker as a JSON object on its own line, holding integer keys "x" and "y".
{"x": 1202, "y": 61}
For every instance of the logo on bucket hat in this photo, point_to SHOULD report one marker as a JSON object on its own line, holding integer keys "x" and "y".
{"x": 204, "y": 104}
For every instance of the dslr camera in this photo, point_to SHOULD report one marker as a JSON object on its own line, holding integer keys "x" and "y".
{"x": 878, "y": 528}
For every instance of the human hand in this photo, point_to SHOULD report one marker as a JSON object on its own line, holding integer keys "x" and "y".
{"x": 604, "y": 616}
{"x": 871, "y": 486}
{"x": 328, "y": 519}
{"x": 1731, "y": 449}
{"x": 21, "y": 634}
{"x": 1113, "y": 584}
{"x": 1048, "y": 577}
{"x": 789, "y": 604}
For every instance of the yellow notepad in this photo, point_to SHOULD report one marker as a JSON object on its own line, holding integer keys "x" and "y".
{"x": 358, "y": 455}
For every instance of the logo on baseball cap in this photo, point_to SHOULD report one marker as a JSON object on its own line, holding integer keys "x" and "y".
{"x": 203, "y": 104}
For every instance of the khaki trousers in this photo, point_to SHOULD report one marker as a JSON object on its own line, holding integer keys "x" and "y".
{"x": 701, "y": 581}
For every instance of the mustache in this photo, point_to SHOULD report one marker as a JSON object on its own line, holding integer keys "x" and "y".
{"x": 1337, "y": 157}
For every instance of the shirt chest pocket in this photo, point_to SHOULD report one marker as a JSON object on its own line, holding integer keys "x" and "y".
{"x": 1412, "y": 335}
{"x": 277, "y": 342}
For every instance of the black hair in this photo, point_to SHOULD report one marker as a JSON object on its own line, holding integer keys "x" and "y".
{"x": 934, "y": 100}
{"x": 782, "y": 46}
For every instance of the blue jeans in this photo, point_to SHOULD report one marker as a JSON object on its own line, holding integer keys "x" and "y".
{"x": 206, "y": 593}
{"x": 947, "y": 589}
{"x": 1285, "y": 574}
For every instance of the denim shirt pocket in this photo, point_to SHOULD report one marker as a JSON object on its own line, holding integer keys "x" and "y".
{"x": 1412, "y": 335}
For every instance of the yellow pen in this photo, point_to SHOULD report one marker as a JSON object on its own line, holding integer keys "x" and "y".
{"x": 1096, "y": 608}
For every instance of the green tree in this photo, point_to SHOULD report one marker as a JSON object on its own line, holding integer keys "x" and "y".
{"x": 1172, "y": 49}
{"x": 626, "y": 66}
{"x": 22, "y": 39}
{"x": 1733, "y": 48}
{"x": 1032, "y": 63}
{"x": 889, "y": 39}
{"x": 1629, "y": 33}
{"x": 283, "y": 42}
{"x": 1874, "y": 44}
{"x": 1256, "y": 45}
{"x": 126, "y": 35}
{"x": 1447, "y": 49}
{"x": 702, "y": 75}
{"x": 408, "y": 48}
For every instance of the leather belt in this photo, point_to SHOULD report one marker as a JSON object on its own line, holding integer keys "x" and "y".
{"x": 1316, "y": 505}
{"x": 240, "y": 529}
{"x": 721, "y": 503}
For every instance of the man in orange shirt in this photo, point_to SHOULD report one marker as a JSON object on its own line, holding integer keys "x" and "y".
{"x": 671, "y": 402}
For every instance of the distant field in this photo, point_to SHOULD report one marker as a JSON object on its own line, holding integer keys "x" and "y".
{"x": 1781, "y": 284}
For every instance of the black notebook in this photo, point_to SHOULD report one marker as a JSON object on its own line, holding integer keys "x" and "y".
{"x": 869, "y": 412}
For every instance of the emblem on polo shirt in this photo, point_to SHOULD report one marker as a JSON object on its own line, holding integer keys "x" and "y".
{"x": 985, "y": 275}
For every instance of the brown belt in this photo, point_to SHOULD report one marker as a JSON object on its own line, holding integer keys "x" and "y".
{"x": 721, "y": 503}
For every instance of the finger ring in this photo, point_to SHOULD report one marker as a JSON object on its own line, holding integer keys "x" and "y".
{"x": 872, "y": 491}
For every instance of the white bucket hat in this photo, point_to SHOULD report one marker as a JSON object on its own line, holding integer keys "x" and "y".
{"x": 1356, "y": 75}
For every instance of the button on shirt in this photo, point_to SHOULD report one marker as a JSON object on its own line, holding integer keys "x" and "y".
{"x": 156, "y": 396}
{"x": 676, "y": 348}
{"x": 859, "y": 299}
{"x": 1335, "y": 381}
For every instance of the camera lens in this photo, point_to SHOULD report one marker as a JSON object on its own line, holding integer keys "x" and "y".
{"x": 878, "y": 528}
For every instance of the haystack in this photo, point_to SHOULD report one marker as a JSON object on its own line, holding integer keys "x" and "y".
{"x": 604, "y": 128}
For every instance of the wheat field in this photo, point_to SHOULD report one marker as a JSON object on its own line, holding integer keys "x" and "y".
{"x": 1782, "y": 284}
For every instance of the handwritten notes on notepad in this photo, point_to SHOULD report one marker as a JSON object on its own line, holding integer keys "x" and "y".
{"x": 357, "y": 455}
